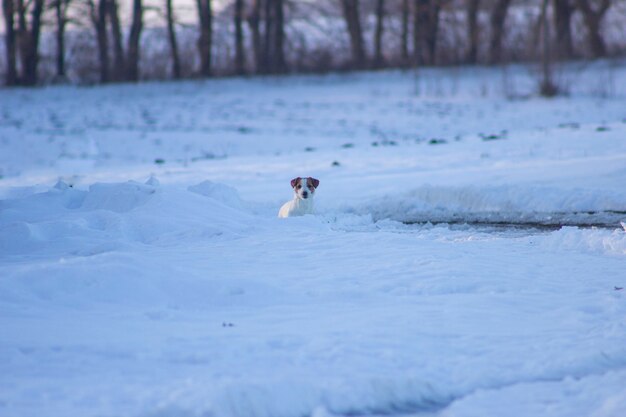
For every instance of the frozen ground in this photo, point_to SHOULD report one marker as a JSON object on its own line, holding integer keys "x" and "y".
{"x": 143, "y": 271}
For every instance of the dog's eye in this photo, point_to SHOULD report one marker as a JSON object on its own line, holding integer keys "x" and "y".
{"x": 298, "y": 186}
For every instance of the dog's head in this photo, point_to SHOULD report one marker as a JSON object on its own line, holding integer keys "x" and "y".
{"x": 304, "y": 187}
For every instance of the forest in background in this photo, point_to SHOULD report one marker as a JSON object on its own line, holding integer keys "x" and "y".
{"x": 104, "y": 41}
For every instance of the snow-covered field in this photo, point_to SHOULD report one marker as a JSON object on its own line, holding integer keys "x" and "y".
{"x": 143, "y": 271}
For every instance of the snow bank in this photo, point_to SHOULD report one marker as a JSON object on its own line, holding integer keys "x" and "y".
{"x": 595, "y": 240}
{"x": 65, "y": 220}
{"x": 61, "y": 230}
{"x": 568, "y": 397}
{"x": 506, "y": 203}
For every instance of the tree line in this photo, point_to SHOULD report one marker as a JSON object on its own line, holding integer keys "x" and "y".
{"x": 259, "y": 32}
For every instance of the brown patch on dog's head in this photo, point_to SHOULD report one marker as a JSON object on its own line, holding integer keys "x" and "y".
{"x": 312, "y": 183}
{"x": 295, "y": 182}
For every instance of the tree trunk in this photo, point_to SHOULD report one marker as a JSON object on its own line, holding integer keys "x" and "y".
{"x": 472, "y": 31}
{"x": 31, "y": 60}
{"x": 98, "y": 18}
{"x": 134, "y": 36}
{"x": 350, "y": 10}
{"x": 240, "y": 58}
{"x": 547, "y": 87}
{"x": 60, "y": 37}
{"x": 595, "y": 39}
{"x": 171, "y": 36}
{"x": 405, "y": 32}
{"x": 254, "y": 22}
{"x": 593, "y": 22}
{"x": 119, "y": 67}
{"x": 268, "y": 35}
{"x": 10, "y": 41}
{"x": 205, "y": 14}
{"x": 420, "y": 28}
{"x": 378, "y": 37}
{"x": 563, "y": 10}
{"x": 60, "y": 7}
{"x": 22, "y": 34}
{"x": 432, "y": 31}
{"x": 498, "y": 16}
{"x": 279, "y": 65}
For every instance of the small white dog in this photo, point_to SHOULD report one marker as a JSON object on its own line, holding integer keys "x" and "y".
{"x": 302, "y": 203}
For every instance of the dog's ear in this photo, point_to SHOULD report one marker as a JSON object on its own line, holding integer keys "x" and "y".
{"x": 315, "y": 182}
{"x": 294, "y": 182}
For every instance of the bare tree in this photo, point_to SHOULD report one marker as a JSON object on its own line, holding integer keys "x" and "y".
{"x": 472, "y": 30}
{"x": 497, "y": 19}
{"x": 171, "y": 36}
{"x": 273, "y": 59}
{"x": 119, "y": 66}
{"x": 22, "y": 31}
{"x": 352, "y": 17}
{"x": 132, "y": 58}
{"x": 28, "y": 39}
{"x": 279, "y": 64}
{"x": 126, "y": 66}
{"x": 268, "y": 20}
{"x": 205, "y": 16}
{"x": 433, "y": 30}
{"x": 8, "y": 7}
{"x": 405, "y": 31}
{"x": 254, "y": 21}
{"x": 240, "y": 58}
{"x": 593, "y": 20}
{"x": 420, "y": 21}
{"x": 425, "y": 28}
{"x": 563, "y": 10}
{"x": 378, "y": 36}
{"x": 60, "y": 10}
{"x": 98, "y": 14}
{"x": 547, "y": 87}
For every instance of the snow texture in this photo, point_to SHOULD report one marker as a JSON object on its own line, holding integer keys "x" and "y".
{"x": 143, "y": 271}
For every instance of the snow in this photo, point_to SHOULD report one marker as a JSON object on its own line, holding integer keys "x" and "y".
{"x": 131, "y": 287}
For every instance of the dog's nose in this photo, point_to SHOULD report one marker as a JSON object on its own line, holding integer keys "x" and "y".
{"x": 305, "y": 194}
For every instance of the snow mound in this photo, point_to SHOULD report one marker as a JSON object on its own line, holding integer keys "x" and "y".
{"x": 219, "y": 192}
{"x": 119, "y": 198}
{"x": 594, "y": 240}
{"x": 66, "y": 221}
{"x": 120, "y": 225}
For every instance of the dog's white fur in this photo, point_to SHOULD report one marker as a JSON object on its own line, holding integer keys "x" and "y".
{"x": 302, "y": 203}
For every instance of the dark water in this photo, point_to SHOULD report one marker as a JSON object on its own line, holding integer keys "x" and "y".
{"x": 520, "y": 222}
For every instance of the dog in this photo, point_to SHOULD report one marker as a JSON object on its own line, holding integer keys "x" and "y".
{"x": 302, "y": 203}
